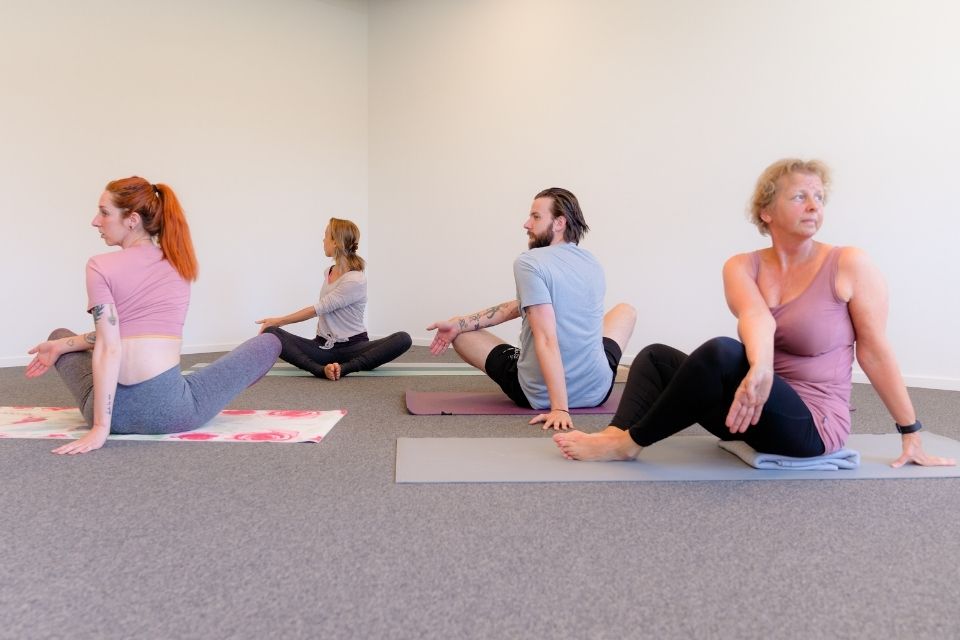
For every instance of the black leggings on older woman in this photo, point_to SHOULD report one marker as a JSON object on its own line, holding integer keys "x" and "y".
{"x": 668, "y": 391}
{"x": 357, "y": 354}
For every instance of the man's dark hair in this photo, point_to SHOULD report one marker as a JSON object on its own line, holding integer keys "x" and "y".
{"x": 565, "y": 204}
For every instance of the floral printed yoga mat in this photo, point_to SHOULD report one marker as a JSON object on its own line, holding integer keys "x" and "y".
{"x": 230, "y": 425}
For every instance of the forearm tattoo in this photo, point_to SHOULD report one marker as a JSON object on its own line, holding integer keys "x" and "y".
{"x": 70, "y": 342}
{"x": 472, "y": 322}
{"x": 97, "y": 311}
{"x": 90, "y": 338}
{"x": 475, "y": 320}
{"x": 109, "y": 404}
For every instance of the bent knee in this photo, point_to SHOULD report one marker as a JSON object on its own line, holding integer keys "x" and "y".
{"x": 403, "y": 340}
{"x": 56, "y": 334}
{"x": 721, "y": 349}
{"x": 623, "y": 311}
{"x": 272, "y": 341}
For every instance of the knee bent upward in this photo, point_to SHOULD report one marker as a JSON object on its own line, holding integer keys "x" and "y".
{"x": 720, "y": 351}
{"x": 56, "y": 334}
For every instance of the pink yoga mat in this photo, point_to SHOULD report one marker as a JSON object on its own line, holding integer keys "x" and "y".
{"x": 448, "y": 403}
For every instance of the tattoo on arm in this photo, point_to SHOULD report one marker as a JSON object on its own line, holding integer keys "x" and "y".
{"x": 113, "y": 316}
{"x": 475, "y": 319}
{"x": 70, "y": 342}
{"x": 492, "y": 311}
{"x": 90, "y": 338}
{"x": 463, "y": 324}
{"x": 97, "y": 311}
{"x": 109, "y": 404}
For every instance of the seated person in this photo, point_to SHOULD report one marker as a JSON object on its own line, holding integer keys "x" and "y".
{"x": 569, "y": 350}
{"x": 341, "y": 345}
{"x": 801, "y": 305}
{"x": 138, "y": 296}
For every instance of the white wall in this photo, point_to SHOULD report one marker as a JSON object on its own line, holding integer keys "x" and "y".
{"x": 254, "y": 112}
{"x": 660, "y": 116}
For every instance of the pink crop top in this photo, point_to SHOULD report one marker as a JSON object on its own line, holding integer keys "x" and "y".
{"x": 813, "y": 350}
{"x": 150, "y": 296}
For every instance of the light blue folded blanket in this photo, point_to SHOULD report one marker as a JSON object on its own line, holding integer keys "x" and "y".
{"x": 841, "y": 459}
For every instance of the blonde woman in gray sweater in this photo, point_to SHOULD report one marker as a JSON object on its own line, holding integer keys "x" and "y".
{"x": 341, "y": 345}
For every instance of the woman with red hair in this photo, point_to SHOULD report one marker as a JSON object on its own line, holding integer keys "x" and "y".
{"x": 125, "y": 374}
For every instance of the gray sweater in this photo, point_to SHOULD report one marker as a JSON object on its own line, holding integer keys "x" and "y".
{"x": 341, "y": 307}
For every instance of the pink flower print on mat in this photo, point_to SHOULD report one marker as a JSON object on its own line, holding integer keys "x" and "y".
{"x": 29, "y": 419}
{"x": 274, "y": 435}
{"x": 293, "y": 413}
{"x": 238, "y": 412}
{"x": 194, "y": 436}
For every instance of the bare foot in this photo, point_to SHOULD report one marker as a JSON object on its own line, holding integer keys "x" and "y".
{"x": 332, "y": 371}
{"x": 610, "y": 444}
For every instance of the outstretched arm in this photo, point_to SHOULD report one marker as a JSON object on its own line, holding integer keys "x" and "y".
{"x": 291, "y": 318}
{"x": 868, "y": 310}
{"x": 106, "y": 371}
{"x": 46, "y": 353}
{"x": 756, "y": 327}
{"x": 448, "y": 330}
{"x": 543, "y": 326}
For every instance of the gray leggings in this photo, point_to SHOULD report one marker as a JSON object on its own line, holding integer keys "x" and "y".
{"x": 170, "y": 402}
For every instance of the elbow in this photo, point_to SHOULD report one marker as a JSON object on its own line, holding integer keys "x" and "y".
{"x": 107, "y": 352}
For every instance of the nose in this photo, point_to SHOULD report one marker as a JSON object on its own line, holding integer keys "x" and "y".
{"x": 96, "y": 220}
{"x": 527, "y": 225}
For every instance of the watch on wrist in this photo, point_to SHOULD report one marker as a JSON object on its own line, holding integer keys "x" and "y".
{"x": 910, "y": 428}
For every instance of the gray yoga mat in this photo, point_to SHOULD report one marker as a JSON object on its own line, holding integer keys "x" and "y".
{"x": 685, "y": 458}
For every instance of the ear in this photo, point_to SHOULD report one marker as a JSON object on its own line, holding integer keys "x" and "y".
{"x": 765, "y": 216}
{"x": 133, "y": 220}
{"x": 560, "y": 224}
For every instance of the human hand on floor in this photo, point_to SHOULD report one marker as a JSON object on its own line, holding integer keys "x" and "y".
{"x": 89, "y": 442}
{"x": 556, "y": 419}
{"x": 913, "y": 452}
{"x": 749, "y": 399}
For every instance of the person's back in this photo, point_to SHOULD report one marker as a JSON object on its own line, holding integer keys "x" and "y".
{"x": 151, "y": 300}
{"x": 571, "y": 279}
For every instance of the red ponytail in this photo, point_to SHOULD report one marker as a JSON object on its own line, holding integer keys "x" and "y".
{"x": 174, "y": 236}
{"x": 162, "y": 217}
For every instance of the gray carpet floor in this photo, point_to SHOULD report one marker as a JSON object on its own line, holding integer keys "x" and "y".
{"x": 159, "y": 540}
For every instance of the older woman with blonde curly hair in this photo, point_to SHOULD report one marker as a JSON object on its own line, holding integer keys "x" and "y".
{"x": 801, "y": 306}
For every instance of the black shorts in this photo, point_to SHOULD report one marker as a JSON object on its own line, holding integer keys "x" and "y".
{"x": 501, "y": 366}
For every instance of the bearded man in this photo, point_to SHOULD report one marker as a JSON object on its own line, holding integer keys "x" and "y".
{"x": 569, "y": 349}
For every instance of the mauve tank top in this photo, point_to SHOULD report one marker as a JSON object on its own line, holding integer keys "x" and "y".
{"x": 813, "y": 350}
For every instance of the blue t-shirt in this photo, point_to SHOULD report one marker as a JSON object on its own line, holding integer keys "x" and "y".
{"x": 570, "y": 279}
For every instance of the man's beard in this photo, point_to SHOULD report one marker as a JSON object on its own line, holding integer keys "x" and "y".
{"x": 544, "y": 239}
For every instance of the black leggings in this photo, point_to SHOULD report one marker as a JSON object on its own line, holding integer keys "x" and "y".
{"x": 668, "y": 391}
{"x": 359, "y": 354}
